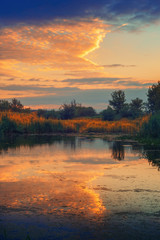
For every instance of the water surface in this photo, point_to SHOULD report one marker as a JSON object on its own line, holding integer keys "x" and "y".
{"x": 78, "y": 188}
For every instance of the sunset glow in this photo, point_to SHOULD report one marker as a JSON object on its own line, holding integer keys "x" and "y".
{"x": 51, "y": 56}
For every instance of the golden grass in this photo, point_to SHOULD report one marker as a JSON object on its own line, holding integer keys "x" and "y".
{"x": 99, "y": 126}
{"x": 81, "y": 125}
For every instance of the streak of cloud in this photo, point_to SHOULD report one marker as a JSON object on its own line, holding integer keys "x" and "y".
{"x": 71, "y": 87}
{"x": 117, "y": 65}
{"x": 98, "y": 98}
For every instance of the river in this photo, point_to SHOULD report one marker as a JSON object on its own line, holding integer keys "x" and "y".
{"x": 63, "y": 188}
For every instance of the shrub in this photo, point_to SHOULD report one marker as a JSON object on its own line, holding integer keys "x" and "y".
{"x": 151, "y": 129}
{"x": 108, "y": 114}
{"x": 8, "y": 126}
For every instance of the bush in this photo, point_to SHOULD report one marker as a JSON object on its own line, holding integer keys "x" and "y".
{"x": 151, "y": 129}
{"x": 108, "y": 114}
{"x": 8, "y": 126}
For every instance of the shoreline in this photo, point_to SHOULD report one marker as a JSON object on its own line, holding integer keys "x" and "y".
{"x": 126, "y": 137}
{"x": 107, "y": 136}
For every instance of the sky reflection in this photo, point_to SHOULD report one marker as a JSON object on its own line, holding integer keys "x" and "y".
{"x": 60, "y": 179}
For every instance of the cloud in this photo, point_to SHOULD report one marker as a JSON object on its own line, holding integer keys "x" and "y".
{"x": 97, "y": 98}
{"x": 38, "y": 11}
{"x": 95, "y": 83}
{"x": 96, "y": 94}
{"x": 22, "y": 91}
{"x": 34, "y": 87}
{"x": 44, "y": 42}
{"x": 92, "y": 80}
{"x": 55, "y": 48}
{"x": 106, "y": 83}
{"x": 72, "y": 85}
{"x": 117, "y": 65}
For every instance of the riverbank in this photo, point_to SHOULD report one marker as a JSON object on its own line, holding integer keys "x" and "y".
{"x": 22, "y": 123}
{"x": 12, "y": 123}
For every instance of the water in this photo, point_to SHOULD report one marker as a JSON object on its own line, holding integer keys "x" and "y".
{"x": 78, "y": 188}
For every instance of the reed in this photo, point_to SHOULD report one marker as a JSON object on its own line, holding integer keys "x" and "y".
{"x": 30, "y": 123}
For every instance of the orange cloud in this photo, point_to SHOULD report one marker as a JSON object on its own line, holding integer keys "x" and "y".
{"x": 58, "y": 46}
{"x": 50, "y": 55}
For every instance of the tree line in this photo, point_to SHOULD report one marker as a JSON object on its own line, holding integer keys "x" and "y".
{"x": 13, "y": 106}
{"x": 118, "y": 107}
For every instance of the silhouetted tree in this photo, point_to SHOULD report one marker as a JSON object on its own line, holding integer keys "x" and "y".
{"x": 136, "y": 107}
{"x": 81, "y": 111}
{"x": 125, "y": 111}
{"x": 154, "y": 97}
{"x": 67, "y": 111}
{"x": 4, "y": 106}
{"x": 118, "y": 100}
{"x": 74, "y": 110}
{"x": 108, "y": 114}
{"x": 16, "y": 105}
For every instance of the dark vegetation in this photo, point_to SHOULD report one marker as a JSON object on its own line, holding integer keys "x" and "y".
{"x": 13, "y": 106}
{"x": 118, "y": 107}
{"x": 75, "y": 110}
{"x": 150, "y": 131}
{"x": 117, "y": 110}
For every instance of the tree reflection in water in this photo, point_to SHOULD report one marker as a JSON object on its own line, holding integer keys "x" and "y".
{"x": 67, "y": 186}
{"x": 118, "y": 152}
{"x": 152, "y": 154}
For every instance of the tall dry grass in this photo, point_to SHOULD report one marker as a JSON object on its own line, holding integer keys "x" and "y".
{"x": 31, "y": 123}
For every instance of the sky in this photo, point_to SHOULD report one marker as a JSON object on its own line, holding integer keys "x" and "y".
{"x": 54, "y": 51}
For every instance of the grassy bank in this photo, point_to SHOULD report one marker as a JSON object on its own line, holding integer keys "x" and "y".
{"x": 30, "y": 123}
{"x": 150, "y": 131}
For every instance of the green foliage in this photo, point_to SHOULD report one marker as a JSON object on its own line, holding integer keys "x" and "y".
{"x": 16, "y": 105}
{"x": 125, "y": 111}
{"x": 121, "y": 109}
{"x": 67, "y": 111}
{"x": 118, "y": 100}
{"x": 4, "y": 106}
{"x": 108, "y": 114}
{"x": 154, "y": 97}
{"x": 81, "y": 111}
{"x": 47, "y": 114}
{"x": 151, "y": 129}
{"x": 75, "y": 110}
{"x": 47, "y": 126}
{"x": 137, "y": 103}
{"x": 8, "y": 126}
{"x": 136, "y": 107}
